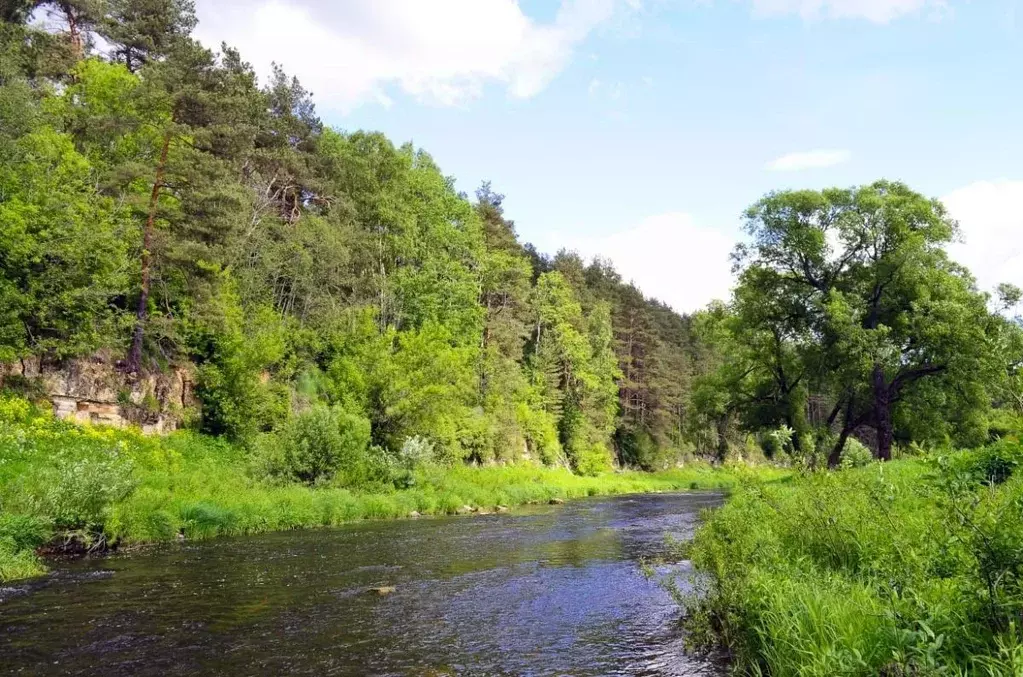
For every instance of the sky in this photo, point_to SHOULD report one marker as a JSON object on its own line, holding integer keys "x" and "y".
{"x": 639, "y": 130}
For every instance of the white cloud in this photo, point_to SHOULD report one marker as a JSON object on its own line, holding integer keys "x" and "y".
{"x": 878, "y": 11}
{"x": 990, "y": 215}
{"x": 442, "y": 51}
{"x": 669, "y": 257}
{"x": 814, "y": 159}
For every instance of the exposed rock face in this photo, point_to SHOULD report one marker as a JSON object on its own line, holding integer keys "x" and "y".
{"x": 94, "y": 390}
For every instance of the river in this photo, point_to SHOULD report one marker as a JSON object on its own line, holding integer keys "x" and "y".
{"x": 543, "y": 590}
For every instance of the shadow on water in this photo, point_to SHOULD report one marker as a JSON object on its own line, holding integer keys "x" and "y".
{"x": 541, "y": 591}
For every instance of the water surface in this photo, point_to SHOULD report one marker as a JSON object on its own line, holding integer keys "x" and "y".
{"x": 547, "y": 590}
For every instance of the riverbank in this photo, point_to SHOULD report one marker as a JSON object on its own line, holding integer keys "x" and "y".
{"x": 65, "y": 486}
{"x": 912, "y": 567}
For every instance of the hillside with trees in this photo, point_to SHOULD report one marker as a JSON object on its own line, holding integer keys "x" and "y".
{"x": 161, "y": 203}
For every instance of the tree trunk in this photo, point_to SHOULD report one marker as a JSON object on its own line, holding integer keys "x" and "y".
{"x": 75, "y": 33}
{"x": 135, "y": 353}
{"x": 883, "y": 415}
{"x": 722, "y": 430}
{"x": 835, "y": 457}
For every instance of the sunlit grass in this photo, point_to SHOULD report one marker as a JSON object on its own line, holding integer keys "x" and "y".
{"x": 906, "y": 568}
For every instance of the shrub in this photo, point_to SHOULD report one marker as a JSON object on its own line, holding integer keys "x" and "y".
{"x": 417, "y": 451}
{"x": 541, "y": 433}
{"x": 80, "y": 492}
{"x": 778, "y": 442}
{"x": 324, "y": 443}
{"x": 637, "y": 448}
{"x": 1003, "y": 423}
{"x": 995, "y": 463}
{"x": 855, "y": 454}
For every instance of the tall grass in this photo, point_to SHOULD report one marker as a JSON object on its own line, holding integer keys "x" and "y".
{"x": 101, "y": 487}
{"x": 909, "y": 568}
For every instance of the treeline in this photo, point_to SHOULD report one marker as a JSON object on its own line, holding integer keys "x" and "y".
{"x": 157, "y": 201}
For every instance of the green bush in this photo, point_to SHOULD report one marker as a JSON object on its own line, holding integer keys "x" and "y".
{"x": 24, "y": 532}
{"x": 855, "y": 454}
{"x": 322, "y": 444}
{"x": 778, "y": 442}
{"x": 995, "y": 463}
{"x": 637, "y": 448}
{"x": 1004, "y": 423}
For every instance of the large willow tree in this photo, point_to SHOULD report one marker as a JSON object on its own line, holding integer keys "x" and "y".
{"x": 856, "y": 294}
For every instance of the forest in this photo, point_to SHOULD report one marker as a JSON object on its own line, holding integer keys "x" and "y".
{"x": 160, "y": 203}
{"x": 353, "y": 321}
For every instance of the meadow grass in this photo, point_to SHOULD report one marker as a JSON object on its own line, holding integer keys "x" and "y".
{"x": 100, "y": 487}
{"x": 913, "y": 567}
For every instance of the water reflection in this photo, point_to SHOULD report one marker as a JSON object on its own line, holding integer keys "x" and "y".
{"x": 544, "y": 591}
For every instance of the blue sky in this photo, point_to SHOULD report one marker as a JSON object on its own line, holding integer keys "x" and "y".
{"x": 640, "y": 129}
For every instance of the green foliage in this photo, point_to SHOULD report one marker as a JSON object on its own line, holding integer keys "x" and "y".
{"x": 64, "y": 254}
{"x": 319, "y": 445}
{"x": 234, "y": 353}
{"x": 68, "y": 475}
{"x": 778, "y": 442}
{"x": 849, "y": 294}
{"x": 994, "y": 464}
{"x": 908, "y": 568}
{"x": 140, "y": 489}
{"x": 855, "y": 454}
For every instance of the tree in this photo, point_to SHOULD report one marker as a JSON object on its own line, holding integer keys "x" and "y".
{"x": 62, "y": 251}
{"x": 863, "y": 273}
{"x": 146, "y": 30}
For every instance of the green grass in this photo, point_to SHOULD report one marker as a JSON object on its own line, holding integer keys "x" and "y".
{"x": 108, "y": 487}
{"x": 909, "y": 568}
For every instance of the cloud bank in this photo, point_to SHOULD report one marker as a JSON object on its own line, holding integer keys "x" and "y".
{"x": 668, "y": 256}
{"x": 990, "y": 215}
{"x": 442, "y": 51}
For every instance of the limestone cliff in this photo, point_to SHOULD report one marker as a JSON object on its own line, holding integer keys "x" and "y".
{"x": 94, "y": 390}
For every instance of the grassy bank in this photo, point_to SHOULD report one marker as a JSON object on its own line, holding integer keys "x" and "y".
{"x": 101, "y": 487}
{"x": 910, "y": 568}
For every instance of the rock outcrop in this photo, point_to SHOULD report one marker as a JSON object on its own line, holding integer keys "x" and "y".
{"x": 94, "y": 390}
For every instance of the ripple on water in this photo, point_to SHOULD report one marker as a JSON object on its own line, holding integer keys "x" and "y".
{"x": 546, "y": 591}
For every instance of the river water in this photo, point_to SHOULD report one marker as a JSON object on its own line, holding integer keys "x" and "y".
{"x": 544, "y": 590}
